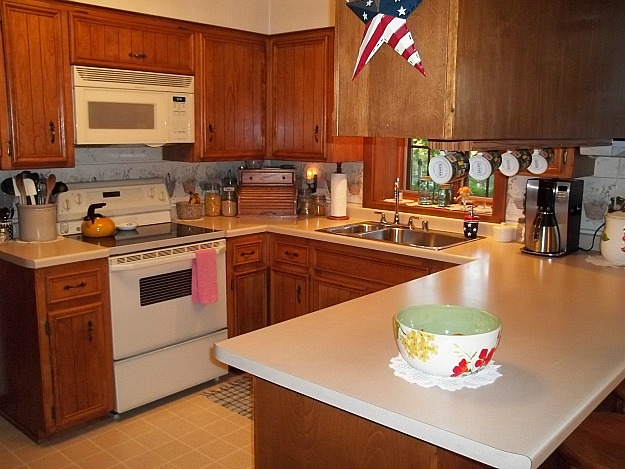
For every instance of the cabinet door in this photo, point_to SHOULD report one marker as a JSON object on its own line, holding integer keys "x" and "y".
{"x": 299, "y": 90}
{"x": 81, "y": 364}
{"x": 327, "y": 292}
{"x": 116, "y": 40}
{"x": 249, "y": 291}
{"x": 288, "y": 295}
{"x": 38, "y": 86}
{"x": 233, "y": 96}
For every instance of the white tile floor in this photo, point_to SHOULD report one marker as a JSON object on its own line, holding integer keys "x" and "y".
{"x": 189, "y": 431}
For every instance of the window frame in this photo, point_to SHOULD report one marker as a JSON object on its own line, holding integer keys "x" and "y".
{"x": 385, "y": 160}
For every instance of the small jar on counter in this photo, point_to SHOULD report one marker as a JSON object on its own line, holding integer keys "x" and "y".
{"x": 306, "y": 206}
{"x": 229, "y": 203}
{"x": 520, "y": 231}
{"x": 319, "y": 205}
{"x": 212, "y": 200}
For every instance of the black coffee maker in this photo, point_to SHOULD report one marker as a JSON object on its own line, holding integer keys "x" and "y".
{"x": 553, "y": 213}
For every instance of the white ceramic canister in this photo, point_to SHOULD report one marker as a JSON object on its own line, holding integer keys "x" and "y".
{"x": 540, "y": 161}
{"x": 515, "y": 161}
{"x": 613, "y": 238}
{"x": 483, "y": 164}
{"x": 448, "y": 167}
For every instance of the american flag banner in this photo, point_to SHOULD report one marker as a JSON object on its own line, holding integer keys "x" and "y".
{"x": 385, "y": 22}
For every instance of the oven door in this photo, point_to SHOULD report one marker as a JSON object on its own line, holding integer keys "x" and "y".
{"x": 151, "y": 304}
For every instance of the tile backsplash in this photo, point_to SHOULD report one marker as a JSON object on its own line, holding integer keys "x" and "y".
{"x": 114, "y": 162}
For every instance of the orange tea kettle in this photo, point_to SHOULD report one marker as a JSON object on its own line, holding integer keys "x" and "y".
{"x": 96, "y": 225}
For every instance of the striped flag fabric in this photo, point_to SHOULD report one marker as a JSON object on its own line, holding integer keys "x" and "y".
{"x": 385, "y": 22}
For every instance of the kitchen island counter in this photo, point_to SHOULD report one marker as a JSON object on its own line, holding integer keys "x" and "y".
{"x": 561, "y": 354}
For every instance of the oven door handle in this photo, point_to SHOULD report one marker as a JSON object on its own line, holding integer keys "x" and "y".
{"x": 158, "y": 261}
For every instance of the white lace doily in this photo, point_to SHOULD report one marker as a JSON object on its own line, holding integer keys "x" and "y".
{"x": 600, "y": 261}
{"x": 486, "y": 375}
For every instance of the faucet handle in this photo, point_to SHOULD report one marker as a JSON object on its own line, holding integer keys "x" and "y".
{"x": 411, "y": 222}
{"x": 382, "y": 217}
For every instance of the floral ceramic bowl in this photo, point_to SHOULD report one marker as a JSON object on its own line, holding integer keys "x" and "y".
{"x": 447, "y": 340}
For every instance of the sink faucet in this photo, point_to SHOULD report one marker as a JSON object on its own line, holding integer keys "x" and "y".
{"x": 396, "y": 194}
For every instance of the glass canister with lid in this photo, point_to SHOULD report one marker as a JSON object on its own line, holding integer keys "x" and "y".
{"x": 318, "y": 202}
{"x": 229, "y": 203}
{"x": 212, "y": 199}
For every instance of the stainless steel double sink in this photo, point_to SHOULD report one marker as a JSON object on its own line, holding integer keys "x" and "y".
{"x": 397, "y": 234}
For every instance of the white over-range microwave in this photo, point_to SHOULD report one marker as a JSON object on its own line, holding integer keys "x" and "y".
{"x": 113, "y": 106}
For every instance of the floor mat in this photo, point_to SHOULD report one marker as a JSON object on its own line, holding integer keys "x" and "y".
{"x": 234, "y": 395}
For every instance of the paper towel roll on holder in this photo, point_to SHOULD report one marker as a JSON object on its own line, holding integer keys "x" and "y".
{"x": 338, "y": 200}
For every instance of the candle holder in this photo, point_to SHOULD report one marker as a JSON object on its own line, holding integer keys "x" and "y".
{"x": 311, "y": 181}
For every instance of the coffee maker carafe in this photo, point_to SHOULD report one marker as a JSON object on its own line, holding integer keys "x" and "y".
{"x": 553, "y": 210}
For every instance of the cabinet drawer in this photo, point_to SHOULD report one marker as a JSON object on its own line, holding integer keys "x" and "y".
{"x": 291, "y": 253}
{"x": 64, "y": 287}
{"x": 247, "y": 253}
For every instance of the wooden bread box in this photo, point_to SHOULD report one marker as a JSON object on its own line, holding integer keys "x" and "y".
{"x": 270, "y": 192}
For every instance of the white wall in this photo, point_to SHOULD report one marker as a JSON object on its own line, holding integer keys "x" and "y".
{"x": 248, "y": 15}
{"x": 295, "y": 15}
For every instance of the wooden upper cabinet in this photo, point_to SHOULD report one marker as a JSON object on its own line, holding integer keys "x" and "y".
{"x": 301, "y": 99}
{"x": 527, "y": 69}
{"x": 131, "y": 41}
{"x": 232, "y": 100}
{"x": 38, "y": 86}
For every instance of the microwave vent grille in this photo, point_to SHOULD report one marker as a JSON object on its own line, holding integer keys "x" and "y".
{"x": 102, "y": 77}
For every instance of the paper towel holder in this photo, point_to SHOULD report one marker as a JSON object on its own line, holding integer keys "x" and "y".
{"x": 331, "y": 217}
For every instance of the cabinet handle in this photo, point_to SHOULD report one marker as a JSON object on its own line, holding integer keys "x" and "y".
{"x": 71, "y": 287}
{"x": 137, "y": 56}
{"x": 291, "y": 255}
{"x": 91, "y": 328}
{"x": 565, "y": 156}
{"x": 9, "y": 149}
{"x": 299, "y": 294}
{"x": 211, "y": 132}
{"x": 52, "y": 133}
{"x": 247, "y": 254}
{"x": 316, "y": 133}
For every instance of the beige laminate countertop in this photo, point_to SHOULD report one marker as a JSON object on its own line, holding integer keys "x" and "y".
{"x": 562, "y": 350}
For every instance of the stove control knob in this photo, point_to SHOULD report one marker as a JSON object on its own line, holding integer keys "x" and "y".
{"x": 151, "y": 192}
{"x": 66, "y": 204}
{"x": 161, "y": 196}
{"x": 78, "y": 199}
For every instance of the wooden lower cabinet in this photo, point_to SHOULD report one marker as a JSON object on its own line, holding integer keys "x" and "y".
{"x": 275, "y": 277}
{"x": 341, "y": 273}
{"x": 56, "y": 362}
{"x": 247, "y": 276}
{"x": 292, "y": 430}
{"x": 290, "y": 278}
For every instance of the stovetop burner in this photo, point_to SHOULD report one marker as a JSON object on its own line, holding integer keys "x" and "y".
{"x": 151, "y": 237}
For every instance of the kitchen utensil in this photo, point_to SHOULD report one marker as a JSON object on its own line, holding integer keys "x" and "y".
{"x": 58, "y": 188}
{"x": 613, "y": 238}
{"x": 435, "y": 338}
{"x": 31, "y": 191}
{"x": 545, "y": 235}
{"x": 50, "y": 183}
{"x": 96, "y": 225}
{"x": 7, "y": 186}
{"x": 171, "y": 185}
{"x": 21, "y": 189}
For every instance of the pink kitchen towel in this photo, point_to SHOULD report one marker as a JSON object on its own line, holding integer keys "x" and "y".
{"x": 204, "y": 277}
